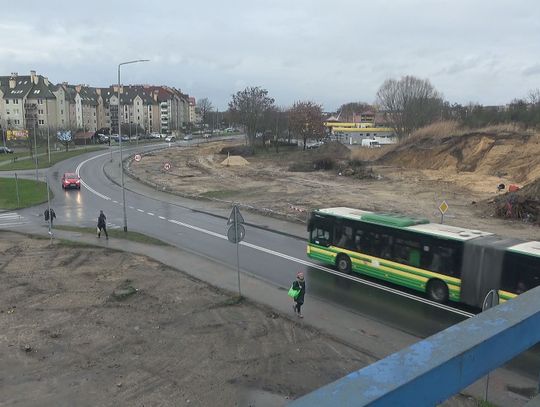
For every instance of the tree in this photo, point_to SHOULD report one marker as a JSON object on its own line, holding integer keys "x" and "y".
{"x": 205, "y": 107}
{"x": 306, "y": 121}
{"x": 248, "y": 108}
{"x": 347, "y": 111}
{"x": 409, "y": 103}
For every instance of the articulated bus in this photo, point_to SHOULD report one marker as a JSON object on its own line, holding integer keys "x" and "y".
{"x": 445, "y": 262}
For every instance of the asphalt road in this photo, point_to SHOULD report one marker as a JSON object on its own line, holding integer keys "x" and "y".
{"x": 266, "y": 254}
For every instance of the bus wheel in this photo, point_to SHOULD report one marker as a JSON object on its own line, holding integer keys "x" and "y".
{"x": 343, "y": 264}
{"x": 437, "y": 291}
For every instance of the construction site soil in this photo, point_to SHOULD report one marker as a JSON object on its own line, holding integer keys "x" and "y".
{"x": 413, "y": 177}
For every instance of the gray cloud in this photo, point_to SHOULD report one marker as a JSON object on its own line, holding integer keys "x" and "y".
{"x": 330, "y": 53}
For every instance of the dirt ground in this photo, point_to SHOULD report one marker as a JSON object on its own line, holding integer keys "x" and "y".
{"x": 395, "y": 185}
{"x": 74, "y": 332}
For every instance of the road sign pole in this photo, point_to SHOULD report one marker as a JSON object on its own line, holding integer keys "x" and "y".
{"x": 237, "y": 250}
{"x": 17, "y": 191}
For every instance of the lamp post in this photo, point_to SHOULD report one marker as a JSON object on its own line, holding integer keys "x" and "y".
{"x": 120, "y": 138}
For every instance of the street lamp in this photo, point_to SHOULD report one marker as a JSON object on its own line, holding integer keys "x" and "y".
{"x": 120, "y": 139}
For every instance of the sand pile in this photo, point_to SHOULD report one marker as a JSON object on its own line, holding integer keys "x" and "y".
{"x": 512, "y": 155}
{"x": 235, "y": 160}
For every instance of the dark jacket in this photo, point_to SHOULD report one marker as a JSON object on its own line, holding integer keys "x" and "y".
{"x": 102, "y": 220}
{"x": 300, "y": 285}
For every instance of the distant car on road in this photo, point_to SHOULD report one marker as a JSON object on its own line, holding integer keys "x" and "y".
{"x": 188, "y": 137}
{"x": 71, "y": 180}
{"x": 5, "y": 150}
{"x": 170, "y": 139}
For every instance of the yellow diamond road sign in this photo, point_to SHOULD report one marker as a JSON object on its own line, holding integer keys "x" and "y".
{"x": 443, "y": 207}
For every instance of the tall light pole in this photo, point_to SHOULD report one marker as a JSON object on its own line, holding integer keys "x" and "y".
{"x": 120, "y": 138}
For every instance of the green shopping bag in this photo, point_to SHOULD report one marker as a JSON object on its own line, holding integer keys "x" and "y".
{"x": 293, "y": 293}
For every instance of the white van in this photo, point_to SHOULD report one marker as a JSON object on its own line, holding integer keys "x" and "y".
{"x": 370, "y": 143}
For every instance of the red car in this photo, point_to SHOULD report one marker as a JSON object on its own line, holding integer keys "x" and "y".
{"x": 71, "y": 180}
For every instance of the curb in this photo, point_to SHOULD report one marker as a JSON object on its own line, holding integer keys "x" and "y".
{"x": 151, "y": 185}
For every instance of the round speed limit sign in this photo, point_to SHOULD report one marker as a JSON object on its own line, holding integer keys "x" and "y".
{"x": 167, "y": 166}
{"x": 137, "y": 157}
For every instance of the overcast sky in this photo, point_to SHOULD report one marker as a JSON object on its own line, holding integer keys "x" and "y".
{"x": 330, "y": 52}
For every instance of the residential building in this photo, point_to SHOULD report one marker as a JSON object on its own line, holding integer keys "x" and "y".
{"x": 28, "y": 102}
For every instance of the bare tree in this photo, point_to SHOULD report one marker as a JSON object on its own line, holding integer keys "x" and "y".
{"x": 306, "y": 121}
{"x": 347, "y": 111}
{"x": 205, "y": 107}
{"x": 248, "y": 107}
{"x": 534, "y": 96}
{"x": 409, "y": 103}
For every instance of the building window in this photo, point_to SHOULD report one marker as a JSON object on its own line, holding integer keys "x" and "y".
{"x": 40, "y": 111}
{"x": 16, "y": 101}
{"x": 41, "y": 121}
{"x": 40, "y": 101}
{"x": 17, "y": 121}
{"x": 7, "y": 101}
{"x": 61, "y": 112}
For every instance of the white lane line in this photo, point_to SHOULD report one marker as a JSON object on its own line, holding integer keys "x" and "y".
{"x": 12, "y": 224}
{"x": 328, "y": 270}
{"x": 131, "y": 207}
{"x": 140, "y": 210}
{"x": 162, "y": 217}
{"x": 88, "y": 187}
{"x": 115, "y": 201}
{"x": 150, "y": 213}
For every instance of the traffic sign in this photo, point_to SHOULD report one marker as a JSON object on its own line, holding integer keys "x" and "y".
{"x": 235, "y": 216}
{"x": 443, "y": 207}
{"x": 167, "y": 166}
{"x": 137, "y": 157}
{"x": 236, "y": 234}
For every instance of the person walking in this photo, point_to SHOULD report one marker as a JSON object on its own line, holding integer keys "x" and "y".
{"x": 50, "y": 215}
{"x": 102, "y": 225}
{"x": 299, "y": 285}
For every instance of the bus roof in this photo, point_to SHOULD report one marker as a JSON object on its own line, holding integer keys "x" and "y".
{"x": 449, "y": 232}
{"x": 386, "y": 219}
{"x": 407, "y": 223}
{"x": 531, "y": 248}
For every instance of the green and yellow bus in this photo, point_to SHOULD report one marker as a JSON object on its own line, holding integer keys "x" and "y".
{"x": 445, "y": 262}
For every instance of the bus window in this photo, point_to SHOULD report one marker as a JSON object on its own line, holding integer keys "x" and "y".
{"x": 320, "y": 235}
{"x": 520, "y": 272}
{"x": 407, "y": 252}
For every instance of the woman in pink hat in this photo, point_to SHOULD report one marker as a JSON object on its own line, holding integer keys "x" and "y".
{"x": 299, "y": 284}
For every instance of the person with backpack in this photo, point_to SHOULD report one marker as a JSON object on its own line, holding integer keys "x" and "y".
{"x": 102, "y": 225}
{"x": 297, "y": 292}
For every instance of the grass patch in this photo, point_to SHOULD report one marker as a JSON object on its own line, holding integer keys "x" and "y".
{"x": 43, "y": 160}
{"x": 117, "y": 234}
{"x": 30, "y": 193}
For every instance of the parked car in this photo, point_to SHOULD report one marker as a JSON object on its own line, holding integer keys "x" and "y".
{"x": 170, "y": 139}
{"x": 188, "y": 137}
{"x": 5, "y": 150}
{"x": 71, "y": 180}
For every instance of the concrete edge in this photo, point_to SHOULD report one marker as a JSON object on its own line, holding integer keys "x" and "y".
{"x": 151, "y": 185}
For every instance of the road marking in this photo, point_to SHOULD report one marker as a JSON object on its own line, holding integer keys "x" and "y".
{"x": 162, "y": 217}
{"x": 150, "y": 213}
{"x": 140, "y": 210}
{"x": 10, "y": 219}
{"x": 115, "y": 201}
{"x": 88, "y": 187}
{"x": 131, "y": 207}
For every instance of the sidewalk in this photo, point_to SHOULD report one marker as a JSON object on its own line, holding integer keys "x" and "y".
{"x": 367, "y": 336}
